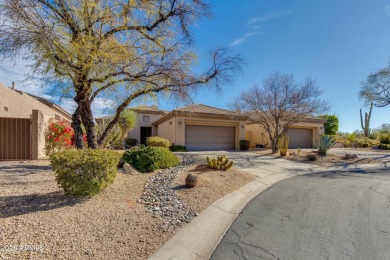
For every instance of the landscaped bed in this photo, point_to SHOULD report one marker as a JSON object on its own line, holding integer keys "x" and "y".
{"x": 39, "y": 221}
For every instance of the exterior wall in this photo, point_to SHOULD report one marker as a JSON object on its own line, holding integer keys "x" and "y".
{"x": 167, "y": 130}
{"x": 20, "y": 105}
{"x": 15, "y": 104}
{"x": 175, "y": 132}
{"x": 136, "y": 132}
{"x": 257, "y": 135}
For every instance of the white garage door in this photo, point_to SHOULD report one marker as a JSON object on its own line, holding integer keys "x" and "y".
{"x": 209, "y": 138}
{"x": 300, "y": 137}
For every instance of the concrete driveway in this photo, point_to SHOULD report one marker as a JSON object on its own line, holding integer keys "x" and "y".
{"x": 260, "y": 164}
{"x": 329, "y": 215}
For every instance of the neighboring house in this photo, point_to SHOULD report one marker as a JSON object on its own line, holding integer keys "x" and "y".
{"x": 23, "y": 121}
{"x": 301, "y": 135}
{"x": 201, "y": 127}
{"x": 146, "y": 115}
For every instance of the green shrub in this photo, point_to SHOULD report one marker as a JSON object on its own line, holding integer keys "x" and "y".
{"x": 150, "y": 158}
{"x": 177, "y": 148}
{"x": 365, "y": 145}
{"x": 385, "y": 147}
{"x": 244, "y": 145}
{"x": 385, "y": 139}
{"x": 347, "y": 144}
{"x": 131, "y": 141}
{"x": 157, "y": 141}
{"x": 84, "y": 172}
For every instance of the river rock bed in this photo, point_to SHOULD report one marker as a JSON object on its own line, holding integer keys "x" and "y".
{"x": 161, "y": 200}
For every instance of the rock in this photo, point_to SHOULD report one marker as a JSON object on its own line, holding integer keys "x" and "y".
{"x": 128, "y": 169}
{"x": 165, "y": 203}
{"x": 121, "y": 162}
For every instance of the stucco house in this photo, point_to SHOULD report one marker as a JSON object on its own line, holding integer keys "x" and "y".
{"x": 201, "y": 127}
{"x": 23, "y": 120}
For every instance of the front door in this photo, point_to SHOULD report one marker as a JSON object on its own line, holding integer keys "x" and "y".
{"x": 145, "y": 133}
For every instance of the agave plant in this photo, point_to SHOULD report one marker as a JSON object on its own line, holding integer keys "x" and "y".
{"x": 324, "y": 143}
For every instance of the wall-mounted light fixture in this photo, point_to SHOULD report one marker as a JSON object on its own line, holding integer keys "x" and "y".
{"x": 242, "y": 126}
{"x": 170, "y": 122}
{"x": 180, "y": 122}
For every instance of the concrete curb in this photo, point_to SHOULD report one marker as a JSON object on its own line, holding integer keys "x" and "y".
{"x": 199, "y": 238}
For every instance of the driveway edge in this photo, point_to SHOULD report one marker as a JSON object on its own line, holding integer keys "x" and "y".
{"x": 199, "y": 238}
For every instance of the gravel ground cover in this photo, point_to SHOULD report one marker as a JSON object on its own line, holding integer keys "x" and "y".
{"x": 37, "y": 221}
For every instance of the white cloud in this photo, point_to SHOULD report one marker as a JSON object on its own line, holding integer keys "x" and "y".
{"x": 241, "y": 40}
{"x": 268, "y": 16}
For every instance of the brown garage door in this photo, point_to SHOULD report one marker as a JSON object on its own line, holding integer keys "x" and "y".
{"x": 300, "y": 137}
{"x": 209, "y": 138}
{"x": 14, "y": 139}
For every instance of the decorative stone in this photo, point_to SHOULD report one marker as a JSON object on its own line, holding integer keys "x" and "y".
{"x": 128, "y": 169}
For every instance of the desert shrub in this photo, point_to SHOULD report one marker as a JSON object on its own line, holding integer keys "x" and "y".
{"x": 283, "y": 145}
{"x": 384, "y": 139}
{"x": 158, "y": 141}
{"x": 58, "y": 136}
{"x": 347, "y": 144}
{"x": 177, "y": 148}
{"x": 348, "y": 156}
{"x": 150, "y": 158}
{"x": 131, "y": 141}
{"x": 379, "y": 146}
{"x": 365, "y": 145}
{"x": 385, "y": 147}
{"x": 299, "y": 150}
{"x": 84, "y": 172}
{"x": 312, "y": 157}
{"x": 325, "y": 143}
{"x": 244, "y": 145}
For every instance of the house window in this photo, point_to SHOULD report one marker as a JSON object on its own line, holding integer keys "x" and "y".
{"x": 145, "y": 118}
{"x": 5, "y": 108}
{"x": 57, "y": 117}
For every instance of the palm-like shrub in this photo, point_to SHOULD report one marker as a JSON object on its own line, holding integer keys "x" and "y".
{"x": 324, "y": 143}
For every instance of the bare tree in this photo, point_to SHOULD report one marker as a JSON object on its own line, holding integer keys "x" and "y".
{"x": 279, "y": 103}
{"x": 376, "y": 88}
{"x": 98, "y": 48}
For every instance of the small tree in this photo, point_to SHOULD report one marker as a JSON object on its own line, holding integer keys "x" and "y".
{"x": 331, "y": 125}
{"x": 280, "y": 103}
{"x": 376, "y": 88}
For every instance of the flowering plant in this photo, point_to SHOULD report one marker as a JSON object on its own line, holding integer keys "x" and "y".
{"x": 58, "y": 136}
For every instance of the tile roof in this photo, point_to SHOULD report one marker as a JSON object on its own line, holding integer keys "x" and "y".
{"x": 148, "y": 109}
{"x": 199, "y": 108}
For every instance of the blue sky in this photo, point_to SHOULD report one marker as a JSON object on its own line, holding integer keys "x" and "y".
{"x": 337, "y": 42}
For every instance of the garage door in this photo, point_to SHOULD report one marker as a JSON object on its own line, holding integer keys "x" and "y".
{"x": 14, "y": 139}
{"x": 300, "y": 137}
{"x": 209, "y": 138}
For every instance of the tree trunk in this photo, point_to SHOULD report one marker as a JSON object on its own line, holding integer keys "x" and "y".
{"x": 89, "y": 124}
{"x": 78, "y": 131}
{"x": 85, "y": 112}
{"x": 274, "y": 145}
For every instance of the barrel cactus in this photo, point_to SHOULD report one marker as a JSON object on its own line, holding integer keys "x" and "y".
{"x": 191, "y": 180}
{"x": 219, "y": 163}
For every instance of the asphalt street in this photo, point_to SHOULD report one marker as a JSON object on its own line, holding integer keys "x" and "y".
{"x": 329, "y": 215}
